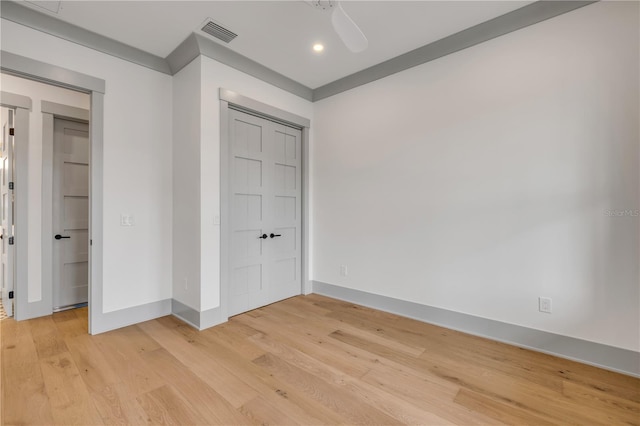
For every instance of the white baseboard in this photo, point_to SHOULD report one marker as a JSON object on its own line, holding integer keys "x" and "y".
{"x": 608, "y": 357}
{"x": 134, "y": 315}
{"x": 198, "y": 320}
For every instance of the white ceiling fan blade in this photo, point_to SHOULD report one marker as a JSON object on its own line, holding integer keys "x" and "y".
{"x": 351, "y": 35}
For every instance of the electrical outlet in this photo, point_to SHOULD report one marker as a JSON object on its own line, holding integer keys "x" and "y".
{"x": 344, "y": 271}
{"x": 186, "y": 283}
{"x": 544, "y": 304}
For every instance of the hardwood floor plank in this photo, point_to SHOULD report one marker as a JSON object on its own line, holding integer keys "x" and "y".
{"x": 602, "y": 406}
{"x": 398, "y": 408}
{"x": 47, "y": 337}
{"x": 312, "y": 343}
{"x": 123, "y": 357}
{"x": 165, "y": 406}
{"x": 240, "y": 372}
{"x": 202, "y": 364}
{"x": 213, "y": 408}
{"x": 117, "y": 406}
{"x": 498, "y": 410}
{"x": 71, "y": 403}
{"x": 526, "y": 395}
{"x": 263, "y": 412}
{"x": 235, "y": 335}
{"x": 495, "y": 355}
{"x": 306, "y": 360}
{"x": 24, "y": 397}
{"x": 346, "y": 405}
{"x": 428, "y": 393}
{"x": 550, "y": 371}
{"x": 92, "y": 365}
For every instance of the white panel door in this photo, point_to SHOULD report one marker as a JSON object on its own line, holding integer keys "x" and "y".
{"x": 285, "y": 196}
{"x": 265, "y": 258}
{"x": 70, "y": 213}
{"x": 6, "y": 209}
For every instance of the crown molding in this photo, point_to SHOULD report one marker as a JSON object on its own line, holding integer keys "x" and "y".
{"x": 196, "y": 45}
{"x": 28, "y": 17}
{"x": 501, "y": 25}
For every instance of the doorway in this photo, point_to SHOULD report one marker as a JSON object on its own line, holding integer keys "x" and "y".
{"x": 264, "y": 181}
{"x": 265, "y": 221}
{"x": 32, "y": 297}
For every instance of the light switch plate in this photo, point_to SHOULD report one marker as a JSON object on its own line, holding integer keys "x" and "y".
{"x": 126, "y": 220}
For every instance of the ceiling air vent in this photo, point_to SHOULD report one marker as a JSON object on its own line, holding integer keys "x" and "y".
{"x": 218, "y": 31}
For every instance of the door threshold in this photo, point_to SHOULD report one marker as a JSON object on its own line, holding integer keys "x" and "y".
{"x": 66, "y": 308}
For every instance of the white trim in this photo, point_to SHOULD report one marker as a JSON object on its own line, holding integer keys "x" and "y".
{"x": 307, "y": 286}
{"x": 129, "y": 316}
{"x": 31, "y": 69}
{"x": 98, "y": 320}
{"x": 47, "y": 208}
{"x": 264, "y": 110}
{"x": 185, "y": 313}
{"x": 66, "y": 112}
{"x": 608, "y": 357}
{"x": 225, "y": 209}
{"x": 13, "y": 100}
{"x": 197, "y": 320}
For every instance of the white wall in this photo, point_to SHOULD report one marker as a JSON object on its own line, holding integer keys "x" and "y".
{"x": 215, "y": 76}
{"x": 482, "y": 180}
{"x": 137, "y": 164}
{"x": 186, "y": 185}
{"x": 38, "y": 92}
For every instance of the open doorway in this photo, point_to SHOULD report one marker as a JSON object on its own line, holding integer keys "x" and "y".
{"x": 55, "y": 165}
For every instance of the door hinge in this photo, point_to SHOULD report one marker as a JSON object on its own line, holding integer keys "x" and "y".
{"x": 11, "y": 241}
{"x": 12, "y": 131}
{"x": 11, "y": 295}
{"x": 11, "y": 185}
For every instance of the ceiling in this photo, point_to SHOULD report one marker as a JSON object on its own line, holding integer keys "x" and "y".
{"x": 280, "y": 34}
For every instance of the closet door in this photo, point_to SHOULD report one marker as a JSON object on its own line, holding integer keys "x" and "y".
{"x": 265, "y": 211}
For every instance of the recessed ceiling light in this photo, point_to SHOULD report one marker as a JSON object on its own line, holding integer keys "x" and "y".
{"x": 318, "y": 47}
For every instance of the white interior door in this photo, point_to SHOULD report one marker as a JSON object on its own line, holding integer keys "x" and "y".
{"x": 265, "y": 174}
{"x": 70, "y": 213}
{"x": 6, "y": 209}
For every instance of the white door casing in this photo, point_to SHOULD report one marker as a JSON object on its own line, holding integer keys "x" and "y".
{"x": 265, "y": 222}
{"x": 6, "y": 208}
{"x": 71, "y": 153}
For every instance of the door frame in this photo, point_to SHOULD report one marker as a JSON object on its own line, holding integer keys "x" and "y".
{"x": 229, "y": 98}
{"x": 22, "y": 106}
{"x": 50, "y": 112}
{"x": 31, "y": 69}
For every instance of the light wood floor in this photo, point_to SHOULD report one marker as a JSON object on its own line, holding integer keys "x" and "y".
{"x": 306, "y": 360}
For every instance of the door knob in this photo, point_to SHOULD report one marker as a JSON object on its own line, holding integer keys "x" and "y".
{"x": 59, "y": 237}
{"x": 275, "y": 235}
{"x": 263, "y": 236}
